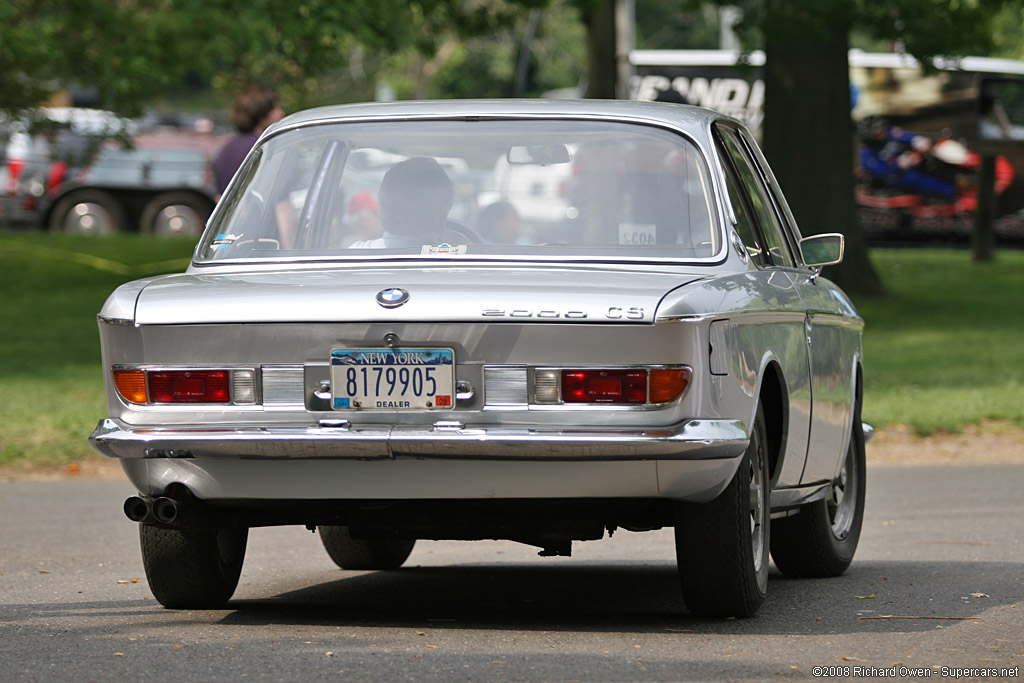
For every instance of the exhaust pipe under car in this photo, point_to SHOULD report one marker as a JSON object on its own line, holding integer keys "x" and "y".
{"x": 138, "y": 509}
{"x": 146, "y": 510}
{"x": 165, "y": 510}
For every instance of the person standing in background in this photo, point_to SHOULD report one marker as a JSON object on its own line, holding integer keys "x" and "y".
{"x": 255, "y": 108}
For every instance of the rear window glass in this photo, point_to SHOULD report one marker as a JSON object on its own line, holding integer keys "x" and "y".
{"x": 530, "y": 189}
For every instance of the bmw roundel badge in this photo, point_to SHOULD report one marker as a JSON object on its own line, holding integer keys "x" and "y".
{"x": 392, "y": 297}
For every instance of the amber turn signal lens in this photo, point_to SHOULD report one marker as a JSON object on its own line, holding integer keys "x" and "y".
{"x": 131, "y": 384}
{"x": 668, "y": 384}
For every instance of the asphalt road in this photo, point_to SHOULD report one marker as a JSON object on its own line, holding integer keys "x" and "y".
{"x": 939, "y": 541}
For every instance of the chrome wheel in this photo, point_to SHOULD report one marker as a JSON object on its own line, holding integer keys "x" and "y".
{"x": 841, "y": 502}
{"x": 177, "y": 220}
{"x": 89, "y": 218}
{"x": 757, "y": 511}
{"x": 176, "y": 214}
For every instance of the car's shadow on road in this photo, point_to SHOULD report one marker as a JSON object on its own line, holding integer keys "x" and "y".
{"x": 625, "y": 597}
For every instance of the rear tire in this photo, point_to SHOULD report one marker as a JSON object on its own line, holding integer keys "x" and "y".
{"x": 175, "y": 214}
{"x": 87, "y": 212}
{"x": 351, "y": 553}
{"x": 722, "y": 546}
{"x": 192, "y": 568}
{"x": 821, "y": 539}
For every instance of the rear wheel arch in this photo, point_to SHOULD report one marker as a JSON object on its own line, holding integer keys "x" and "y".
{"x": 774, "y": 400}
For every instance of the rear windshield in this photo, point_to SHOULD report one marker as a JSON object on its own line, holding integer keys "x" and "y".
{"x": 455, "y": 189}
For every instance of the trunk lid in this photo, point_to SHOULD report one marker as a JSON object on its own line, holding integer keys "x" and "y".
{"x": 467, "y": 294}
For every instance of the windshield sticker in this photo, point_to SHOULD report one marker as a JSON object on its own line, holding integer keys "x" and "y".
{"x": 443, "y": 249}
{"x": 636, "y": 234}
{"x": 223, "y": 240}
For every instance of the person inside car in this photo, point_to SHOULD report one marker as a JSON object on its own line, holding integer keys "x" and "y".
{"x": 415, "y": 198}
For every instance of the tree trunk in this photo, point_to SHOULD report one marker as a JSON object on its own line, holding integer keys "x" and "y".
{"x": 808, "y": 133}
{"x": 599, "y": 18}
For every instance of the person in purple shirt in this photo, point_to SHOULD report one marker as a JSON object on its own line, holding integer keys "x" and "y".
{"x": 255, "y": 108}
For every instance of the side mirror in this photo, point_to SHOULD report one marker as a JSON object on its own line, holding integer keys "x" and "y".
{"x": 822, "y": 250}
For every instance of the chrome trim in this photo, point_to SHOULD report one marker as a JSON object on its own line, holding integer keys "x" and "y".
{"x": 464, "y": 390}
{"x": 789, "y": 498}
{"x": 284, "y": 386}
{"x": 869, "y": 432}
{"x": 506, "y": 386}
{"x": 127, "y": 322}
{"x": 689, "y": 318}
{"x": 688, "y": 440}
{"x": 324, "y": 393}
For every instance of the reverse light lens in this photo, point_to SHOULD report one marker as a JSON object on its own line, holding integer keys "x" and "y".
{"x": 604, "y": 386}
{"x": 243, "y": 386}
{"x": 189, "y": 386}
{"x": 131, "y": 384}
{"x": 668, "y": 384}
{"x": 545, "y": 386}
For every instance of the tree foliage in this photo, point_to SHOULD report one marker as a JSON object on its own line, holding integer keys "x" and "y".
{"x": 808, "y": 134}
{"x": 130, "y": 51}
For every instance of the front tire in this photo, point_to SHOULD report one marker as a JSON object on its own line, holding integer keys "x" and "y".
{"x": 351, "y": 553}
{"x": 821, "y": 539}
{"x": 722, "y": 546}
{"x": 192, "y": 568}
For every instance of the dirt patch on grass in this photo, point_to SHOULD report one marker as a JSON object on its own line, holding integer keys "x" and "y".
{"x": 988, "y": 442}
{"x": 896, "y": 445}
{"x": 90, "y": 467}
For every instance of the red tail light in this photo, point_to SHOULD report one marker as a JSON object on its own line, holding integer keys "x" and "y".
{"x": 189, "y": 386}
{"x": 614, "y": 386}
{"x": 604, "y": 386}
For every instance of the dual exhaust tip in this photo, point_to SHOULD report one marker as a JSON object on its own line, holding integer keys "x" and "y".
{"x": 146, "y": 510}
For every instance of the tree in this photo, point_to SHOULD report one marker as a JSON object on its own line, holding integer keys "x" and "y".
{"x": 130, "y": 51}
{"x": 46, "y": 45}
{"x": 807, "y": 130}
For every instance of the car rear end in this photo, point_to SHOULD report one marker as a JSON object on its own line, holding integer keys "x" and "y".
{"x": 439, "y": 384}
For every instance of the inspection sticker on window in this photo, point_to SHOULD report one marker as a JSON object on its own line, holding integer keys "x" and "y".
{"x": 223, "y": 240}
{"x": 443, "y": 249}
{"x": 637, "y": 234}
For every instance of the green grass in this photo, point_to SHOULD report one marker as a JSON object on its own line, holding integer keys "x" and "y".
{"x": 944, "y": 349}
{"x": 51, "y": 288}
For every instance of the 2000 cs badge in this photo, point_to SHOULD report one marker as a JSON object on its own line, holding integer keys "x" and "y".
{"x": 528, "y": 320}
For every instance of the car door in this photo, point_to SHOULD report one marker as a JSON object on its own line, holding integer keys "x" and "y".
{"x": 831, "y": 331}
{"x": 774, "y": 325}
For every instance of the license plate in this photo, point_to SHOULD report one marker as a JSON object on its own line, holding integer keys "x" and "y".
{"x": 392, "y": 379}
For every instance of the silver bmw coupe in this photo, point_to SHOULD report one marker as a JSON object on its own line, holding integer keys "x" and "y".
{"x": 530, "y": 320}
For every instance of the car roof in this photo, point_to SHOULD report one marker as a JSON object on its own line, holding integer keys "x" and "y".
{"x": 682, "y": 116}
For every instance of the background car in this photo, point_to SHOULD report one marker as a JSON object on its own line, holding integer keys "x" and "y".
{"x": 159, "y": 183}
{"x": 666, "y": 354}
{"x": 39, "y": 150}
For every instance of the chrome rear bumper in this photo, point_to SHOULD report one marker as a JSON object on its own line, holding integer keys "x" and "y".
{"x": 690, "y": 440}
